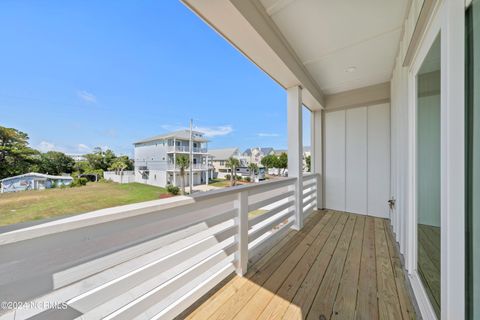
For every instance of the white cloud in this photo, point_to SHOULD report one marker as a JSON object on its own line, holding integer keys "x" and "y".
{"x": 266, "y": 134}
{"x": 215, "y": 131}
{"x": 83, "y": 148}
{"x": 208, "y": 131}
{"x": 87, "y": 96}
{"x": 46, "y": 146}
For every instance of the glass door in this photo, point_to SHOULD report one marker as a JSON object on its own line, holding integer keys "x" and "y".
{"x": 428, "y": 152}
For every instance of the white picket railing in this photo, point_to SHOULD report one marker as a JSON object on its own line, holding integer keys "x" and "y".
{"x": 184, "y": 251}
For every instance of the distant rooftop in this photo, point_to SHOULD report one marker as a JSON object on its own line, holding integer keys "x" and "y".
{"x": 180, "y": 134}
{"x": 264, "y": 151}
{"x": 223, "y": 154}
{"x": 38, "y": 175}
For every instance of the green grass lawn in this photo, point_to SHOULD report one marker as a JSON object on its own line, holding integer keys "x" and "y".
{"x": 40, "y": 204}
{"x": 221, "y": 183}
{"x": 254, "y": 213}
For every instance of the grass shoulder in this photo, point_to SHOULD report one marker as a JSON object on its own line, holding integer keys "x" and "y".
{"x": 41, "y": 204}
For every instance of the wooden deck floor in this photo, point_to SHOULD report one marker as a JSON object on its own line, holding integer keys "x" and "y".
{"x": 339, "y": 266}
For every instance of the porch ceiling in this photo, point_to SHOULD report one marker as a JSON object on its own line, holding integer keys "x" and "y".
{"x": 331, "y": 36}
{"x": 312, "y": 43}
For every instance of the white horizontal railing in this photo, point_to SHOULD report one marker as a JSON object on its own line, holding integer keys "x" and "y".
{"x": 184, "y": 149}
{"x": 309, "y": 194}
{"x": 195, "y": 166}
{"x": 151, "y": 260}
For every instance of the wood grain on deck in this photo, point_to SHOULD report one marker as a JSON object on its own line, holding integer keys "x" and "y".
{"x": 339, "y": 266}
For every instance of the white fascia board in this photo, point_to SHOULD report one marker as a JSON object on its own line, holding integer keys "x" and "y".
{"x": 246, "y": 25}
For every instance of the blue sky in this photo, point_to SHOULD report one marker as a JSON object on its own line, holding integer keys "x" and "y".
{"x": 80, "y": 74}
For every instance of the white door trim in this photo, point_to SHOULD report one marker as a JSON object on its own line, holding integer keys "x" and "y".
{"x": 449, "y": 20}
{"x": 423, "y": 300}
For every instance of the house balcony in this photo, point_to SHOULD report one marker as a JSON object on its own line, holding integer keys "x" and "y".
{"x": 195, "y": 167}
{"x": 185, "y": 149}
{"x": 239, "y": 252}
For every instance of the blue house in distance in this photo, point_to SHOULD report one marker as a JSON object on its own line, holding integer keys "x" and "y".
{"x": 33, "y": 181}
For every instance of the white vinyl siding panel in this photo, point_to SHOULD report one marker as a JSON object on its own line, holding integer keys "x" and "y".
{"x": 335, "y": 160}
{"x": 378, "y": 160}
{"x": 356, "y": 160}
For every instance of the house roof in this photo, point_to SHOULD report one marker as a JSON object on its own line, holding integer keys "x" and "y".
{"x": 247, "y": 152}
{"x": 180, "y": 134}
{"x": 223, "y": 154}
{"x": 280, "y": 151}
{"x": 264, "y": 151}
{"x": 40, "y": 175}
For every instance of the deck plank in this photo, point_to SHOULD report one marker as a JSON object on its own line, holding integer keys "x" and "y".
{"x": 262, "y": 297}
{"x": 231, "y": 307}
{"x": 322, "y": 306}
{"x": 345, "y": 302}
{"x": 388, "y": 303}
{"x": 339, "y": 266}
{"x": 367, "y": 305}
{"x": 305, "y": 295}
{"x": 281, "y": 300}
{"x": 282, "y": 249}
{"x": 408, "y": 312}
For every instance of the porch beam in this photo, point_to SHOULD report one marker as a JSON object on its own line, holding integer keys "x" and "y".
{"x": 295, "y": 149}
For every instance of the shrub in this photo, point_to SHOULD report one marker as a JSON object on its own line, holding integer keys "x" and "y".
{"x": 247, "y": 179}
{"x": 227, "y": 177}
{"x": 173, "y": 189}
{"x": 238, "y": 178}
{"x": 77, "y": 182}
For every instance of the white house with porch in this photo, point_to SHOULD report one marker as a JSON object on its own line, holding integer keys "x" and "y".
{"x": 156, "y": 158}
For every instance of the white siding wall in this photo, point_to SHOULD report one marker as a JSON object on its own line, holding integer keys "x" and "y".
{"x": 153, "y": 155}
{"x": 378, "y": 160}
{"x": 357, "y": 160}
{"x": 335, "y": 160}
{"x": 155, "y": 177}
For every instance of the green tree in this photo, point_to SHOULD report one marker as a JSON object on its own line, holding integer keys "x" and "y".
{"x": 282, "y": 162}
{"x": 183, "y": 162}
{"x": 308, "y": 162}
{"x": 253, "y": 170}
{"x": 16, "y": 157}
{"x": 119, "y": 165}
{"x": 100, "y": 160}
{"x": 127, "y": 161}
{"x": 233, "y": 164}
{"x": 55, "y": 163}
{"x": 269, "y": 161}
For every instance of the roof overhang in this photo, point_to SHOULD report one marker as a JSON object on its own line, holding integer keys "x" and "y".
{"x": 245, "y": 24}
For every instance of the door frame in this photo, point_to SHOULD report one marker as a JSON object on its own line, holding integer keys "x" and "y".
{"x": 449, "y": 21}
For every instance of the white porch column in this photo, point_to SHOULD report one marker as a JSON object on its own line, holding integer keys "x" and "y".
{"x": 317, "y": 152}
{"x": 295, "y": 149}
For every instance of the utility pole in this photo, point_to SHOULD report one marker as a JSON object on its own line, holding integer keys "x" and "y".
{"x": 191, "y": 157}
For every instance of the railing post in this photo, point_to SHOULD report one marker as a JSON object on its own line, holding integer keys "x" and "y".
{"x": 241, "y": 237}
